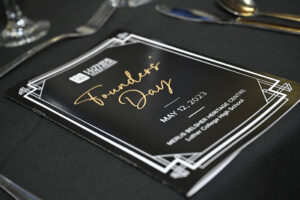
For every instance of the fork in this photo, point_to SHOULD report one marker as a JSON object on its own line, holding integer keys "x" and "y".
{"x": 92, "y": 26}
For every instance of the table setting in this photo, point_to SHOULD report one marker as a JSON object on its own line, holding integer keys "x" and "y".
{"x": 149, "y": 99}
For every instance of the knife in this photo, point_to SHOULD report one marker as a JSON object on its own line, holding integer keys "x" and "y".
{"x": 16, "y": 191}
{"x": 194, "y": 15}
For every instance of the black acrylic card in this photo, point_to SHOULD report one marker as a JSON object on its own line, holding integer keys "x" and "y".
{"x": 178, "y": 116}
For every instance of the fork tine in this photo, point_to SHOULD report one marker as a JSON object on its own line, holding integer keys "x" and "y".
{"x": 102, "y": 13}
{"x": 100, "y": 22}
{"x": 105, "y": 15}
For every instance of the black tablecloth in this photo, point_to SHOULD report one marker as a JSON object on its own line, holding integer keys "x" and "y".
{"x": 53, "y": 163}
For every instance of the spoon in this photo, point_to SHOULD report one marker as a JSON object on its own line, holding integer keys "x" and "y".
{"x": 194, "y": 15}
{"x": 248, "y": 8}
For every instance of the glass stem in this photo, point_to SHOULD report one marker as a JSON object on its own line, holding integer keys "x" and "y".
{"x": 13, "y": 11}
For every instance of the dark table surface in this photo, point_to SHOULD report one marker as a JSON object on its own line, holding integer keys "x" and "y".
{"x": 53, "y": 163}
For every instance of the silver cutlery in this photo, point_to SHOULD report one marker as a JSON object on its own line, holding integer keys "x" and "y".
{"x": 248, "y": 8}
{"x": 204, "y": 17}
{"x": 96, "y": 22}
{"x": 16, "y": 191}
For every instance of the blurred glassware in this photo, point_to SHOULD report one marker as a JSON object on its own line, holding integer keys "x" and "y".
{"x": 19, "y": 29}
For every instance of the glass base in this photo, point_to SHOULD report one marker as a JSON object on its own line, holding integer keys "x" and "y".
{"x": 23, "y": 31}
